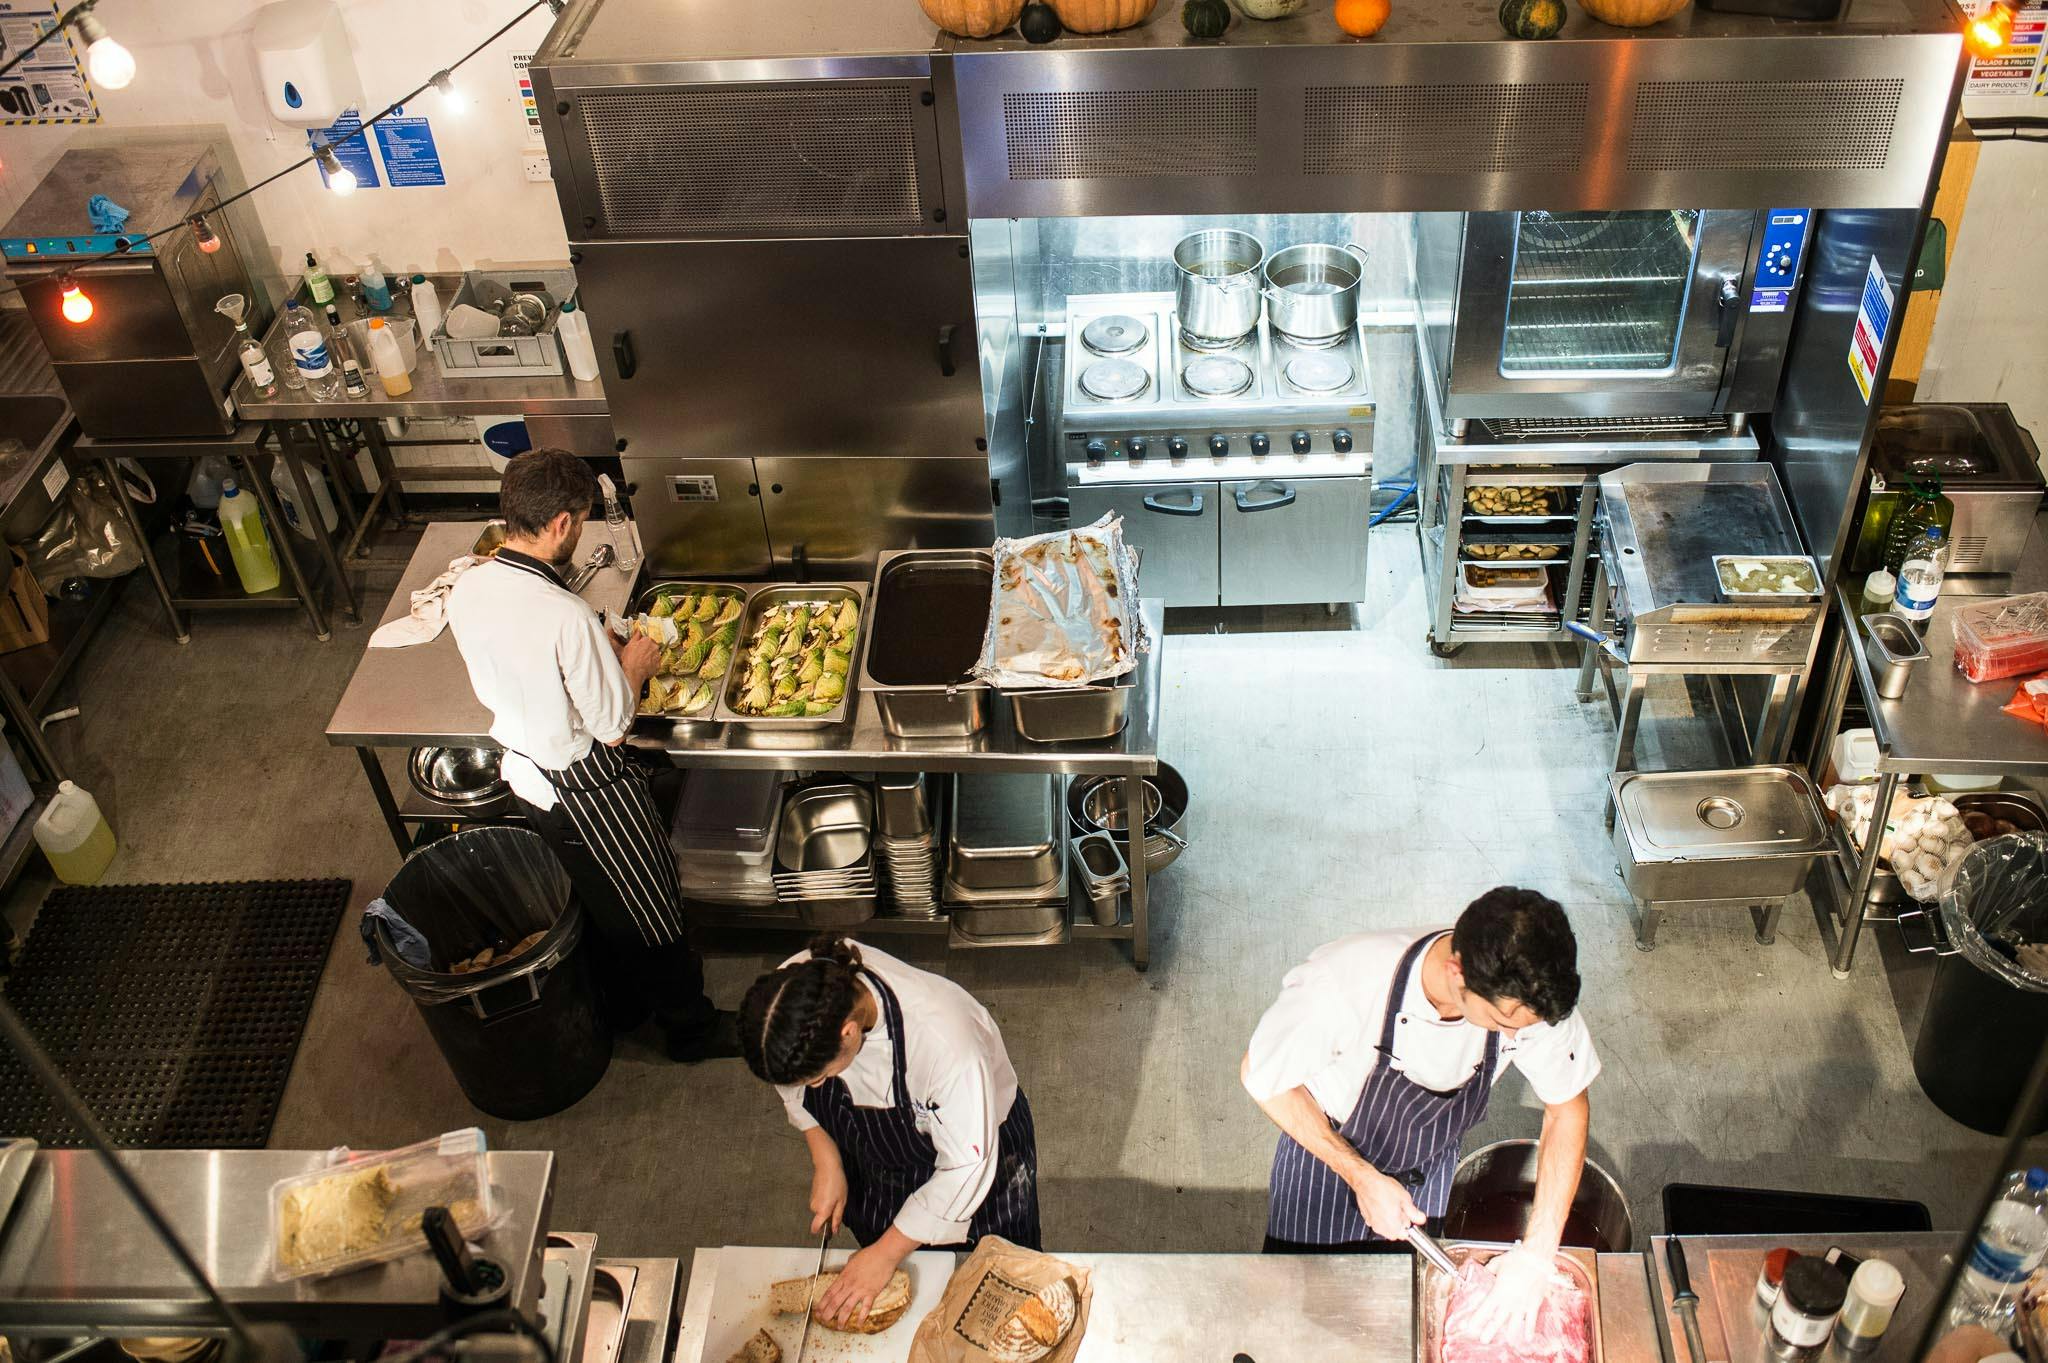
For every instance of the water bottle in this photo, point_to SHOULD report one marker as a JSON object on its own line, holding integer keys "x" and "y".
{"x": 1920, "y": 576}
{"x": 313, "y": 357}
{"x": 375, "y": 288}
{"x": 207, "y": 476}
{"x": 624, "y": 542}
{"x": 2010, "y": 1246}
{"x": 248, "y": 542}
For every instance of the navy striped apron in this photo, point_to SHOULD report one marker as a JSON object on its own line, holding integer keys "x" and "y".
{"x": 887, "y": 1158}
{"x": 607, "y": 800}
{"x": 1407, "y": 1132}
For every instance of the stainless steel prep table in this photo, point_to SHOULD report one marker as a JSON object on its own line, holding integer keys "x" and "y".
{"x": 78, "y": 1260}
{"x": 1278, "y": 1308}
{"x": 415, "y": 696}
{"x": 1943, "y": 723}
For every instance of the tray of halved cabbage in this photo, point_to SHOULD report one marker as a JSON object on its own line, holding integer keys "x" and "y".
{"x": 799, "y": 653}
{"x": 697, "y": 625}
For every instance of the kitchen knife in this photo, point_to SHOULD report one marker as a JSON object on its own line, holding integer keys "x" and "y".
{"x": 811, "y": 1307}
{"x": 1683, "y": 1299}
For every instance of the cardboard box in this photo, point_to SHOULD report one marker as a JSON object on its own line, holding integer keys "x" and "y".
{"x": 24, "y": 610}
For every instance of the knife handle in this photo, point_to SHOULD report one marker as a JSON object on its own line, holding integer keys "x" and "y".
{"x": 1681, "y": 1276}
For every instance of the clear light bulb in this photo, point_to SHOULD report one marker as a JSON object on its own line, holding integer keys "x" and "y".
{"x": 77, "y": 307}
{"x": 340, "y": 178}
{"x": 452, "y": 100}
{"x": 110, "y": 65}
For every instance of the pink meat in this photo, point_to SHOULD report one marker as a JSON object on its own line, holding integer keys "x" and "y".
{"x": 1563, "y": 1326}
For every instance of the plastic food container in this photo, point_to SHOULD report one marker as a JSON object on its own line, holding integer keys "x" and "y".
{"x": 1480, "y": 584}
{"x": 366, "y": 1208}
{"x": 2006, "y": 638}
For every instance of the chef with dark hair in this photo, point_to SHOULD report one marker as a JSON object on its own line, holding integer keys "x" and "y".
{"x": 1380, "y": 1054}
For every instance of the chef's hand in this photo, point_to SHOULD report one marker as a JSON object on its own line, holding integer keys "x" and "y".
{"x": 857, "y": 1285}
{"x": 1385, "y": 1204}
{"x": 1521, "y": 1280}
{"x": 639, "y": 658}
{"x": 828, "y": 1197}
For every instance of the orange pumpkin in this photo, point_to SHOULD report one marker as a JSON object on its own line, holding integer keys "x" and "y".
{"x": 1362, "y": 18}
{"x": 972, "y": 18}
{"x": 1632, "y": 13}
{"x": 1102, "y": 16}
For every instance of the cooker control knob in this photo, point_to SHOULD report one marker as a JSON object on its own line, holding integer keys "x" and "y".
{"x": 1261, "y": 444}
{"x": 1098, "y": 450}
{"x": 1299, "y": 440}
{"x": 1135, "y": 447}
{"x": 1340, "y": 441}
{"x": 1176, "y": 447}
{"x": 1219, "y": 445}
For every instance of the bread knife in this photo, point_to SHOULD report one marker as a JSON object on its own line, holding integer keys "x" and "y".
{"x": 811, "y": 1307}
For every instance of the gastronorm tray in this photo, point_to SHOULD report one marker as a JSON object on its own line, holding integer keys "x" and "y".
{"x": 1723, "y": 562}
{"x": 1433, "y": 1295}
{"x": 789, "y": 594}
{"x": 940, "y": 708}
{"x": 725, "y": 591}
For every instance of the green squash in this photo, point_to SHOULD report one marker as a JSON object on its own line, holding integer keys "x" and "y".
{"x": 1038, "y": 23}
{"x": 1532, "y": 18}
{"x": 1205, "y": 18}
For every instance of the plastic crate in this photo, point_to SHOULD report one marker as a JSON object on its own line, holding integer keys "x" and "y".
{"x": 505, "y": 357}
{"x": 2004, "y": 638}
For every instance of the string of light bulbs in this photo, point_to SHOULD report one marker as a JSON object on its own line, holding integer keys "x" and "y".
{"x": 74, "y": 302}
{"x": 106, "y": 61}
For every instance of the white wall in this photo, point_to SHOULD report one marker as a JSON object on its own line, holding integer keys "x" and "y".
{"x": 195, "y": 67}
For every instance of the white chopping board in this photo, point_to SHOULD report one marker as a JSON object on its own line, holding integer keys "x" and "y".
{"x": 739, "y": 1306}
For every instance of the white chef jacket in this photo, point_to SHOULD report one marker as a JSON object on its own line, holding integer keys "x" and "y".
{"x": 539, "y": 661}
{"x": 1324, "y": 1030}
{"x": 961, "y": 1087}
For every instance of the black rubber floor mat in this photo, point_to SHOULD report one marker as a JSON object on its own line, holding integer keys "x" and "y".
{"x": 174, "y": 1010}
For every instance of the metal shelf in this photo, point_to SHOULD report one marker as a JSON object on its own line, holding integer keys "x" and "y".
{"x": 21, "y": 842}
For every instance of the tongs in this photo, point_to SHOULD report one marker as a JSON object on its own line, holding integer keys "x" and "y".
{"x": 1425, "y": 1244}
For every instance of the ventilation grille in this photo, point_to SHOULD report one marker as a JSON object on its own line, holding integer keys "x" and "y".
{"x": 1611, "y": 427}
{"x": 1111, "y": 134}
{"x": 1763, "y": 125}
{"x": 1453, "y": 129}
{"x": 770, "y": 159}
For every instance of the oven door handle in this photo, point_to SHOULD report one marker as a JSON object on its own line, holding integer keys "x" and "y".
{"x": 1286, "y": 498}
{"x": 1193, "y": 507}
{"x": 1725, "y": 298}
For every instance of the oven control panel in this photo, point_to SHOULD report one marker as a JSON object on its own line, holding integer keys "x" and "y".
{"x": 1777, "y": 261}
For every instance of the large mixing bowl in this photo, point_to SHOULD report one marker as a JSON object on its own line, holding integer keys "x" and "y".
{"x": 1495, "y": 1187}
{"x": 466, "y": 778}
{"x": 1096, "y": 804}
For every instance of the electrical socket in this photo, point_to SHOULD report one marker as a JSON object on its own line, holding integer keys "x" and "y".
{"x": 536, "y": 163}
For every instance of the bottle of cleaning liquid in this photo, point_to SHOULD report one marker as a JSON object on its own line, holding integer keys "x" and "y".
{"x": 296, "y": 516}
{"x": 572, "y": 328}
{"x": 319, "y": 287}
{"x": 248, "y": 543}
{"x": 376, "y": 290}
{"x": 387, "y": 361}
{"x": 352, "y": 381}
{"x": 312, "y": 356}
{"x": 207, "y": 476}
{"x": 74, "y": 835}
{"x": 426, "y": 307}
{"x": 625, "y": 544}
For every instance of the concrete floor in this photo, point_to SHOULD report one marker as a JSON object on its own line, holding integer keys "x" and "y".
{"x": 1342, "y": 778}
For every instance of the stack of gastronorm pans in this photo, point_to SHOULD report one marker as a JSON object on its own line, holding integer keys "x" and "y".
{"x": 733, "y": 686}
{"x": 908, "y": 838}
{"x": 825, "y": 856}
{"x": 1006, "y": 860}
{"x": 724, "y": 836}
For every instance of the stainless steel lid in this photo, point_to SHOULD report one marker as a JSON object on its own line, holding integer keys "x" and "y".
{"x": 1321, "y": 373}
{"x": 1216, "y": 376}
{"x": 1114, "y": 380}
{"x": 1115, "y": 334}
{"x": 1743, "y": 812}
{"x": 728, "y": 806}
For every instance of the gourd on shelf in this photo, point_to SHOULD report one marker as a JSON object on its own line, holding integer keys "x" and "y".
{"x": 972, "y": 18}
{"x": 1271, "y": 9}
{"x": 1632, "y": 13}
{"x": 1205, "y": 18}
{"x": 1102, "y": 16}
{"x": 1532, "y": 18}
{"x": 1038, "y": 23}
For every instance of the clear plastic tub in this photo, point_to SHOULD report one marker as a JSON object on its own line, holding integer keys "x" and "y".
{"x": 2005, "y": 638}
{"x": 365, "y": 1208}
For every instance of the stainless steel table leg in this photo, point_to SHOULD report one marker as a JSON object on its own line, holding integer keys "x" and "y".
{"x": 1134, "y": 856}
{"x": 1841, "y": 673}
{"x": 1766, "y": 917}
{"x": 386, "y": 805}
{"x": 282, "y": 533}
{"x": 387, "y": 468}
{"x": 326, "y": 435}
{"x": 1625, "y": 733}
{"x": 1774, "y": 726}
{"x": 1866, "y": 869}
{"x": 1590, "y": 663}
{"x": 323, "y": 539}
{"x": 1647, "y": 916}
{"x": 156, "y": 574}
{"x": 30, "y": 727}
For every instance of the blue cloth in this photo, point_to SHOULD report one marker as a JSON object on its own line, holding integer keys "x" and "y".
{"x": 106, "y": 215}
{"x": 406, "y": 940}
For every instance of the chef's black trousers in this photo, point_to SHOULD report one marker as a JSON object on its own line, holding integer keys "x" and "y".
{"x": 636, "y": 979}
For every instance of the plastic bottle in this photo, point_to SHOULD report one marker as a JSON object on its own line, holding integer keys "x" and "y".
{"x": 625, "y": 545}
{"x": 426, "y": 307}
{"x": 572, "y": 329}
{"x": 248, "y": 543}
{"x": 75, "y": 836}
{"x": 282, "y": 363}
{"x": 1920, "y": 576}
{"x": 1879, "y": 590}
{"x": 2010, "y": 1246}
{"x": 375, "y": 289}
{"x": 319, "y": 287}
{"x": 255, "y": 362}
{"x": 352, "y": 381}
{"x": 1920, "y": 505}
{"x": 1874, "y": 1292}
{"x": 288, "y": 498}
{"x": 385, "y": 359}
{"x": 207, "y": 476}
{"x": 311, "y": 354}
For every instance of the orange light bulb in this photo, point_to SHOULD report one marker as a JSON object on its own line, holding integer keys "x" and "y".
{"x": 1990, "y": 33}
{"x": 77, "y": 307}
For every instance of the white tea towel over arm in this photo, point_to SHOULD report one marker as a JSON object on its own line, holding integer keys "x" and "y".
{"x": 429, "y": 614}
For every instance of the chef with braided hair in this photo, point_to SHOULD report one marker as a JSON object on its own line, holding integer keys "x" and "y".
{"x": 897, "y": 1078}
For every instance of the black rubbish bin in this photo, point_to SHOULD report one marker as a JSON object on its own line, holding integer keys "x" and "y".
{"x": 525, "y": 1038}
{"x": 1987, "y": 1010}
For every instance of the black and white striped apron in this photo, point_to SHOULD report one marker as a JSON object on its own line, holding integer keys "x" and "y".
{"x": 887, "y": 1158}
{"x": 1407, "y": 1132}
{"x": 607, "y": 800}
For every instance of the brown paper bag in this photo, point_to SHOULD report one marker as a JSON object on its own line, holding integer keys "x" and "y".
{"x": 1006, "y": 1304}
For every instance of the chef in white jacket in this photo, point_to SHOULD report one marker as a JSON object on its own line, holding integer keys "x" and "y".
{"x": 917, "y": 1130}
{"x": 1380, "y": 1054}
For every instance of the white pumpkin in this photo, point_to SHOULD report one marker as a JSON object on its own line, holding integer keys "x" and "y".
{"x": 1271, "y": 9}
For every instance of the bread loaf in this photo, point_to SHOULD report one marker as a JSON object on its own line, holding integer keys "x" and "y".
{"x": 793, "y": 1297}
{"x": 1037, "y": 1326}
{"x": 762, "y": 1348}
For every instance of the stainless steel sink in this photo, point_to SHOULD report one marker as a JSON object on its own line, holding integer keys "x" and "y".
{"x": 39, "y": 421}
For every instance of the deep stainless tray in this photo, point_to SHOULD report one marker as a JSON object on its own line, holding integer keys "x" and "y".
{"x": 1007, "y": 835}
{"x": 825, "y": 828}
{"x": 724, "y": 591}
{"x": 1433, "y": 1295}
{"x": 944, "y": 709}
{"x": 1073, "y": 714}
{"x": 788, "y": 594}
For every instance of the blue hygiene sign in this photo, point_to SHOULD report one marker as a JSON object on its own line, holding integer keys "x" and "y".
{"x": 354, "y": 154}
{"x": 410, "y": 156}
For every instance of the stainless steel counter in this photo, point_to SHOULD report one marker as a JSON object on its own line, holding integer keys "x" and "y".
{"x": 431, "y": 395}
{"x": 77, "y": 1259}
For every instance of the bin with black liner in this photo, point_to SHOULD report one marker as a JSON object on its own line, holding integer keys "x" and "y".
{"x": 521, "y": 1029}
{"x": 1987, "y": 1009}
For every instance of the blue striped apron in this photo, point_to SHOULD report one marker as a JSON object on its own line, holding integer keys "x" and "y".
{"x": 887, "y": 1158}
{"x": 1407, "y": 1132}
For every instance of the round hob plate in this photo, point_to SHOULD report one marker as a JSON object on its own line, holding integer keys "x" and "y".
{"x": 1114, "y": 381}
{"x": 1216, "y": 376}
{"x": 1114, "y": 334}
{"x": 1319, "y": 373}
